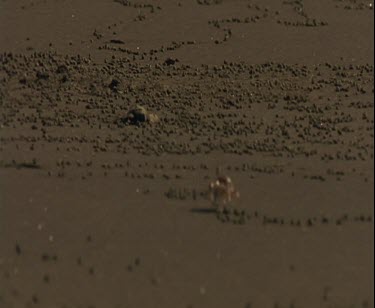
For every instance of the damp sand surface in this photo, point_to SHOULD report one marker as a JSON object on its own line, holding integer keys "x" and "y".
{"x": 99, "y": 211}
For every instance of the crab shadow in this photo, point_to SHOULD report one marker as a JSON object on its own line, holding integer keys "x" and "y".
{"x": 204, "y": 211}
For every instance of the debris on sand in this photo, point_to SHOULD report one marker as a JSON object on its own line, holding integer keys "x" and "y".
{"x": 19, "y": 165}
{"x": 139, "y": 114}
{"x": 116, "y": 41}
{"x": 234, "y": 216}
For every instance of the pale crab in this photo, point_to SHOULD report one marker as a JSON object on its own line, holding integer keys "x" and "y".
{"x": 222, "y": 191}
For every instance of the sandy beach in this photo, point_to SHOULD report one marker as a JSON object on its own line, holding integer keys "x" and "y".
{"x": 97, "y": 211}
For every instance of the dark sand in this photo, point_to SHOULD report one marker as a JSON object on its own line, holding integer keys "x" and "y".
{"x": 96, "y": 213}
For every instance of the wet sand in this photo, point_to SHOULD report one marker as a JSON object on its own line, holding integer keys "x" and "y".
{"x": 95, "y": 212}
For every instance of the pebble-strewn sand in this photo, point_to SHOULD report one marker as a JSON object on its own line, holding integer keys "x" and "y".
{"x": 98, "y": 212}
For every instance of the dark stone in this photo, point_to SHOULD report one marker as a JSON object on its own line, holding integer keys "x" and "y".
{"x": 170, "y": 61}
{"x": 114, "y": 84}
